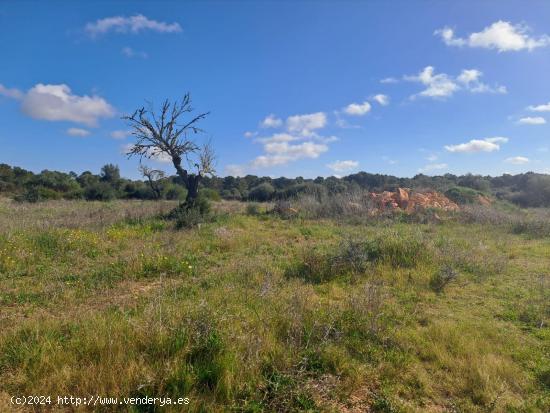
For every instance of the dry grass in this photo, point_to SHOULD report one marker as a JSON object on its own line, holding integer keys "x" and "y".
{"x": 118, "y": 304}
{"x": 16, "y": 216}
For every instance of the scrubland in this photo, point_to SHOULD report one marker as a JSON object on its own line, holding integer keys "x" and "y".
{"x": 257, "y": 311}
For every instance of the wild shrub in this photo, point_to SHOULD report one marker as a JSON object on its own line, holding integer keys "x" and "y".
{"x": 442, "y": 277}
{"x": 210, "y": 194}
{"x": 253, "y": 209}
{"x": 350, "y": 204}
{"x": 349, "y": 258}
{"x": 312, "y": 266}
{"x": 204, "y": 363}
{"x": 463, "y": 195}
{"x": 283, "y": 391}
{"x": 37, "y": 194}
{"x": 365, "y": 309}
{"x": 477, "y": 259}
{"x": 262, "y": 192}
{"x": 284, "y": 209}
{"x": 352, "y": 257}
{"x": 532, "y": 227}
{"x": 397, "y": 249}
{"x": 478, "y": 214}
{"x": 188, "y": 216}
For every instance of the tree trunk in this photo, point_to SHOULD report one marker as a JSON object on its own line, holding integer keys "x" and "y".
{"x": 190, "y": 182}
{"x": 192, "y": 189}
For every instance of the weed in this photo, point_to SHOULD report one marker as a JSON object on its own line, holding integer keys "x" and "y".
{"x": 442, "y": 277}
{"x": 253, "y": 209}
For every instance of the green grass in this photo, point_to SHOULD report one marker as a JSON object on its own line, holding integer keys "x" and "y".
{"x": 254, "y": 313}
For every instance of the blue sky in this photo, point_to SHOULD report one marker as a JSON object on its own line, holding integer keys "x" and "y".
{"x": 294, "y": 88}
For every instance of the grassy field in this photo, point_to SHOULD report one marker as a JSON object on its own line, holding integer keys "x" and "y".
{"x": 252, "y": 312}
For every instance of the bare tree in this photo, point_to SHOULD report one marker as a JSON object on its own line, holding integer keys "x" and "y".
{"x": 153, "y": 178}
{"x": 167, "y": 135}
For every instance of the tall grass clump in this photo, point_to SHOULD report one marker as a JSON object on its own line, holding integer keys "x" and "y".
{"x": 350, "y": 204}
{"x": 536, "y": 227}
{"x": 189, "y": 216}
{"x": 352, "y": 257}
{"x": 397, "y": 248}
{"x": 475, "y": 258}
{"x": 442, "y": 277}
{"x": 533, "y": 223}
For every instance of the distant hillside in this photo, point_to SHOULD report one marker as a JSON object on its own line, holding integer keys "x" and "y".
{"x": 527, "y": 190}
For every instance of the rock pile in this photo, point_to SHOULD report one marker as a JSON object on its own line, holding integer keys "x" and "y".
{"x": 409, "y": 201}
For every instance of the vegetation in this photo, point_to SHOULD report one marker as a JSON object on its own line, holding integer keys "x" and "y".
{"x": 260, "y": 311}
{"x": 525, "y": 190}
{"x": 166, "y": 134}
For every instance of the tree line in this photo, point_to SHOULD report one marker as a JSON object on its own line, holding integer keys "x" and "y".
{"x": 527, "y": 189}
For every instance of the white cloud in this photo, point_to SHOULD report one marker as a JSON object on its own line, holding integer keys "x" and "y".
{"x": 10, "y": 93}
{"x": 384, "y": 100}
{"x": 342, "y": 166}
{"x": 249, "y": 134}
{"x": 132, "y": 24}
{"x": 57, "y": 103}
{"x": 433, "y": 167}
{"x": 129, "y": 52}
{"x": 344, "y": 124}
{"x": 470, "y": 78}
{"x": 299, "y": 141}
{"x": 432, "y": 158}
{"x": 120, "y": 134}
{"x": 442, "y": 85}
{"x": 477, "y": 145}
{"x": 279, "y": 137}
{"x": 497, "y": 139}
{"x": 529, "y": 120}
{"x": 305, "y": 124}
{"x": 235, "y": 170}
{"x": 78, "y": 132}
{"x": 447, "y": 34}
{"x": 302, "y": 150}
{"x": 501, "y": 35}
{"x": 389, "y": 80}
{"x": 357, "y": 109}
{"x": 540, "y": 108}
{"x": 280, "y": 153}
{"x": 271, "y": 121}
{"x": 517, "y": 160}
{"x": 437, "y": 86}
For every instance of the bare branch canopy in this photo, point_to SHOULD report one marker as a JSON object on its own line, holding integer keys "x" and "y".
{"x": 169, "y": 134}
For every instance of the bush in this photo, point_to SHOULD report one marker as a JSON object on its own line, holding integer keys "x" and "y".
{"x": 462, "y": 195}
{"x": 352, "y": 204}
{"x": 37, "y": 194}
{"x": 352, "y": 257}
{"x": 100, "y": 191}
{"x": 441, "y": 278}
{"x": 210, "y": 194}
{"x": 398, "y": 250}
{"x": 175, "y": 192}
{"x": 313, "y": 266}
{"x": 188, "y": 216}
{"x": 253, "y": 209}
{"x": 537, "y": 228}
{"x": 262, "y": 192}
